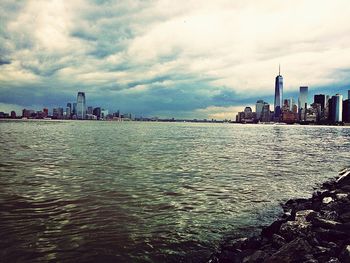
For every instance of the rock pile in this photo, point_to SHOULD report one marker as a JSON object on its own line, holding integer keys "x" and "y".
{"x": 311, "y": 230}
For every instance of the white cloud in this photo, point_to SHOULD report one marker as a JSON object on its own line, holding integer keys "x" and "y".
{"x": 232, "y": 45}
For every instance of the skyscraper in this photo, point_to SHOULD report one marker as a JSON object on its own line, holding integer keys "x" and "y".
{"x": 303, "y": 97}
{"x": 69, "y": 110}
{"x": 346, "y": 110}
{"x": 278, "y": 94}
{"x": 74, "y": 109}
{"x": 81, "y": 106}
{"x": 337, "y": 108}
{"x": 320, "y": 99}
{"x": 258, "y": 109}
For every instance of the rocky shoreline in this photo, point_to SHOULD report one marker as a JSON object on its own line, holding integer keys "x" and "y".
{"x": 310, "y": 230}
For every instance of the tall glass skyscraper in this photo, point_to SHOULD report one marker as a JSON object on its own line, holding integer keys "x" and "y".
{"x": 303, "y": 98}
{"x": 259, "y": 108}
{"x": 278, "y": 95}
{"x": 337, "y": 107}
{"x": 81, "y": 106}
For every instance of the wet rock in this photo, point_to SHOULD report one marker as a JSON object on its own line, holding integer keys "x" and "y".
{"x": 324, "y": 223}
{"x": 329, "y": 215}
{"x": 227, "y": 256}
{"x": 293, "y": 229}
{"x": 252, "y": 243}
{"x": 278, "y": 241}
{"x": 257, "y": 257}
{"x": 235, "y": 243}
{"x": 329, "y": 234}
{"x": 345, "y": 254}
{"x": 293, "y": 251}
{"x": 319, "y": 251}
{"x": 341, "y": 196}
{"x": 345, "y": 188}
{"x": 333, "y": 260}
{"x": 345, "y": 227}
{"x": 272, "y": 229}
{"x": 344, "y": 179}
{"x": 345, "y": 217}
{"x": 305, "y": 215}
{"x": 297, "y": 205}
{"x": 327, "y": 200}
{"x": 311, "y": 260}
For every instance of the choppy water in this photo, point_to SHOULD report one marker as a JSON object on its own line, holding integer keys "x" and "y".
{"x": 126, "y": 192}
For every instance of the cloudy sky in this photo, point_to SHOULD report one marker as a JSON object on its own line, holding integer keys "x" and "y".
{"x": 191, "y": 59}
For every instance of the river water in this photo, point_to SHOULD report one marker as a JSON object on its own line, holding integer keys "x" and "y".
{"x": 151, "y": 192}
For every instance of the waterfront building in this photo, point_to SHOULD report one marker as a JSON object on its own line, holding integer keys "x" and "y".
{"x": 46, "y": 112}
{"x": 81, "y": 106}
{"x": 278, "y": 95}
{"x": 303, "y": 93}
{"x": 248, "y": 113}
{"x": 97, "y": 112}
{"x": 336, "y": 108}
{"x": 104, "y": 114}
{"x": 57, "y": 113}
{"x": 240, "y": 117}
{"x": 302, "y": 102}
{"x": 265, "y": 115}
{"x": 259, "y": 108}
{"x": 90, "y": 110}
{"x": 74, "y": 109}
{"x": 346, "y": 111}
{"x": 288, "y": 117}
{"x": 28, "y": 113}
{"x": 292, "y": 103}
{"x": 68, "y": 113}
{"x": 286, "y": 105}
{"x": 316, "y": 110}
{"x": 321, "y": 100}
{"x": 4, "y": 115}
{"x": 13, "y": 115}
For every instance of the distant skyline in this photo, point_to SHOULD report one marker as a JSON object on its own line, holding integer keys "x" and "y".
{"x": 182, "y": 59}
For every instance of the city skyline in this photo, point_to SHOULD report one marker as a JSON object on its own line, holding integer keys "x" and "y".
{"x": 188, "y": 60}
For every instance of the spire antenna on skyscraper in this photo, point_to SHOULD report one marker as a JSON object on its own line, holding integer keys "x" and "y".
{"x": 279, "y": 69}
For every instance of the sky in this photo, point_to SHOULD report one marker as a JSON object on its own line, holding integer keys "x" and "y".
{"x": 182, "y": 59}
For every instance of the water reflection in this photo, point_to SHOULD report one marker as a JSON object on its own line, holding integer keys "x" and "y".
{"x": 150, "y": 191}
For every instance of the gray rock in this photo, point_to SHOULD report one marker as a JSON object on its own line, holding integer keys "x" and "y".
{"x": 345, "y": 217}
{"x": 327, "y": 200}
{"x": 257, "y": 257}
{"x": 272, "y": 229}
{"x": 333, "y": 260}
{"x": 305, "y": 215}
{"x": 278, "y": 241}
{"x": 341, "y": 196}
{"x": 328, "y": 224}
{"x": 294, "y": 251}
{"x": 344, "y": 179}
{"x": 345, "y": 254}
{"x": 329, "y": 234}
{"x": 293, "y": 229}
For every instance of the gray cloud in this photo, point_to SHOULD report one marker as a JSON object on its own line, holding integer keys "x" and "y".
{"x": 158, "y": 57}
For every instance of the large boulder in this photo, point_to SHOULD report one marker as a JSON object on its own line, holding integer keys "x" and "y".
{"x": 292, "y": 252}
{"x": 274, "y": 228}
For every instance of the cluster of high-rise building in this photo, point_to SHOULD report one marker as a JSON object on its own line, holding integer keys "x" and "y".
{"x": 73, "y": 111}
{"x": 325, "y": 109}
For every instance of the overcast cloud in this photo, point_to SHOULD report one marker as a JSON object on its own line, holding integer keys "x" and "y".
{"x": 193, "y": 59}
